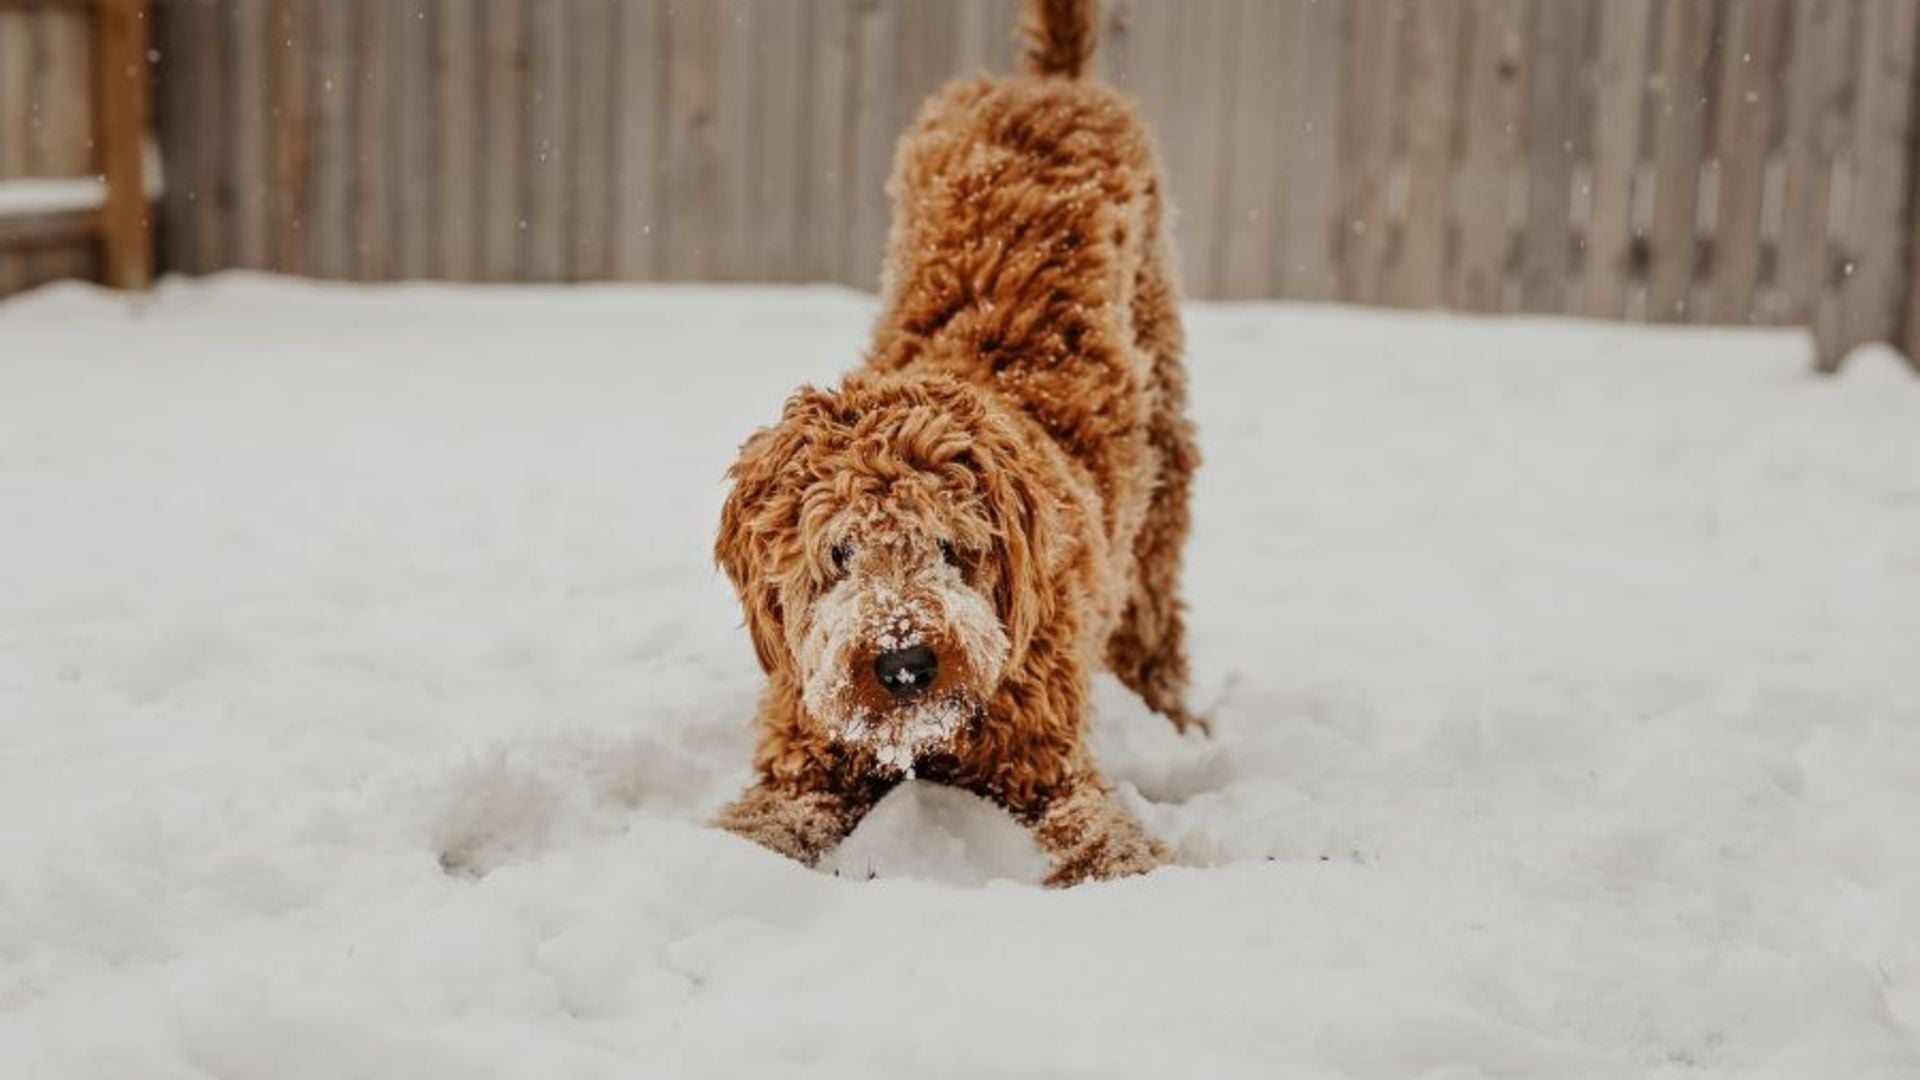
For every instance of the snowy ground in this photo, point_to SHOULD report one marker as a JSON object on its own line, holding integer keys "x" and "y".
{"x": 1565, "y": 676}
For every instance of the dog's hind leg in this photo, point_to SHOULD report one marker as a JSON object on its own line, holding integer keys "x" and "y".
{"x": 1148, "y": 650}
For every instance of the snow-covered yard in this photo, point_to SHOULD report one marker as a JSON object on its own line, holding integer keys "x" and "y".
{"x": 1567, "y": 680}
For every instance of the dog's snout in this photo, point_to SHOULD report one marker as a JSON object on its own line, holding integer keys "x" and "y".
{"x": 906, "y": 671}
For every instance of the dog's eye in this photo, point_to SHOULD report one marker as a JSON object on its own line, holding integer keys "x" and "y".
{"x": 952, "y": 556}
{"x": 842, "y": 553}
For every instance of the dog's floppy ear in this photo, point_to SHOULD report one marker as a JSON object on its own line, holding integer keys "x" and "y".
{"x": 761, "y": 516}
{"x": 1028, "y": 533}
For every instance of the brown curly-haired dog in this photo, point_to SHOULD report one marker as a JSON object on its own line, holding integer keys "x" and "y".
{"x": 935, "y": 557}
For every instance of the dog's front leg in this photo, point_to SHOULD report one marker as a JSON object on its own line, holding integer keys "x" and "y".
{"x": 1088, "y": 835}
{"x": 802, "y": 822}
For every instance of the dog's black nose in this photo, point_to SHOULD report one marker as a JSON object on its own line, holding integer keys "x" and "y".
{"x": 906, "y": 671}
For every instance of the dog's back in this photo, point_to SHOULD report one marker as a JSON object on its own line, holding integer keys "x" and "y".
{"x": 1027, "y": 249}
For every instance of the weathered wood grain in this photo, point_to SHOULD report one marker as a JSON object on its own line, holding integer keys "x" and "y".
{"x": 640, "y": 77}
{"x": 16, "y": 81}
{"x": 1619, "y": 108}
{"x": 1313, "y": 111}
{"x": 591, "y": 138}
{"x": 1679, "y": 131}
{"x": 1490, "y": 161}
{"x": 121, "y": 78}
{"x": 503, "y": 162}
{"x": 1699, "y": 160}
{"x": 1370, "y": 135}
{"x": 291, "y": 49}
{"x": 251, "y": 155}
{"x": 1430, "y": 49}
{"x": 1819, "y": 111}
{"x": 332, "y": 250}
{"x": 376, "y": 169}
{"x": 1744, "y": 128}
{"x": 459, "y": 137}
{"x": 1871, "y": 285}
{"x": 1552, "y": 69}
{"x": 414, "y": 217}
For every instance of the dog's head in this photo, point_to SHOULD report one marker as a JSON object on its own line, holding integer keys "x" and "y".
{"x": 891, "y": 549}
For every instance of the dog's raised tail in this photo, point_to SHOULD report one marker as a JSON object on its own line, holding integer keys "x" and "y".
{"x": 1059, "y": 37}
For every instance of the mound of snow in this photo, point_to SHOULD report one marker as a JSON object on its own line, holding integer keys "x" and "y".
{"x": 365, "y": 683}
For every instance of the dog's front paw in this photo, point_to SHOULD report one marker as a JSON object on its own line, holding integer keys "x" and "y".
{"x": 1090, "y": 837}
{"x": 802, "y": 825}
{"x": 1106, "y": 859}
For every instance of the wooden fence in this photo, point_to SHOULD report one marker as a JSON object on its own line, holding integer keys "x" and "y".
{"x": 1735, "y": 161}
{"x": 73, "y": 121}
{"x": 44, "y": 64}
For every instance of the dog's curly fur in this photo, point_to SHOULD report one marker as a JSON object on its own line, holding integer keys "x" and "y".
{"x": 1004, "y": 483}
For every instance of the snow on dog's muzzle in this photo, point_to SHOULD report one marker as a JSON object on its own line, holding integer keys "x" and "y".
{"x": 899, "y": 655}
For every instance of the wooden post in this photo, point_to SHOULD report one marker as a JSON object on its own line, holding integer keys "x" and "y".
{"x": 1871, "y": 292}
{"x": 120, "y": 63}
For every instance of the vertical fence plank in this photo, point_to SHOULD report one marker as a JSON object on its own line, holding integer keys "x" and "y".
{"x": 1871, "y": 288}
{"x": 1203, "y": 103}
{"x": 212, "y": 140}
{"x": 683, "y": 220}
{"x": 1620, "y": 98}
{"x": 332, "y": 250}
{"x": 214, "y": 114}
{"x": 734, "y": 228}
{"x": 1679, "y": 122}
{"x": 825, "y": 193}
{"x": 986, "y": 38}
{"x": 1114, "y": 58}
{"x": 1312, "y": 117}
{"x": 1369, "y": 148}
{"x": 183, "y": 34}
{"x": 16, "y": 62}
{"x": 1744, "y": 126}
{"x": 593, "y": 137}
{"x": 971, "y": 34}
{"x": 1135, "y": 51}
{"x": 1493, "y": 111}
{"x": 922, "y": 55}
{"x": 63, "y": 94}
{"x": 290, "y": 73}
{"x": 501, "y": 175}
{"x": 251, "y": 155}
{"x": 63, "y": 128}
{"x": 1586, "y": 29}
{"x": 782, "y": 104}
{"x": 1817, "y": 118}
{"x": 457, "y": 130}
{"x": 547, "y": 151}
{"x": 1552, "y": 68}
{"x": 910, "y": 61}
{"x": 414, "y": 122}
{"x": 873, "y": 137}
{"x": 1430, "y": 48}
{"x": 641, "y": 70}
{"x": 375, "y": 127}
{"x": 1251, "y": 219}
